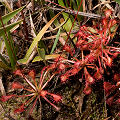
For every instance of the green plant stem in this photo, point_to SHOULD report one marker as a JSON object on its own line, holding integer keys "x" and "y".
{"x": 8, "y": 40}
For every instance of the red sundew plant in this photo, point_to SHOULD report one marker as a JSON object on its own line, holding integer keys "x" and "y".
{"x": 97, "y": 41}
{"x": 34, "y": 90}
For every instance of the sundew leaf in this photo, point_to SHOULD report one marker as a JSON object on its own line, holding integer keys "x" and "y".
{"x": 56, "y": 40}
{"x": 37, "y": 39}
{"x": 10, "y": 15}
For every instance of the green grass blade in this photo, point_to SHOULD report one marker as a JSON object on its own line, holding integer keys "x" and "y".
{"x": 68, "y": 24}
{"x": 8, "y": 27}
{"x": 10, "y": 15}
{"x": 9, "y": 42}
{"x": 4, "y": 60}
{"x": 12, "y": 45}
{"x": 118, "y": 1}
{"x": 55, "y": 43}
{"x": 78, "y": 3}
{"x": 37, "y": 39}
{"x": 56, "y": 22}
{"x": 47, "y": 57}
{"x": 9, "y": 51}
{"x": 41, "y": 49}
{"x": 41, "y": 52}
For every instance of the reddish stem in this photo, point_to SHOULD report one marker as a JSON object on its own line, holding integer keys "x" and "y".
{"x": 24, "y": 23}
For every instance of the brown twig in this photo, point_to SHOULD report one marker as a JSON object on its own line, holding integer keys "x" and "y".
{"x": 1, "y": 86}
{"x": 32, "y": 1}
{"x": 91, "y": 15}
{"x": 24, "y": 23}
